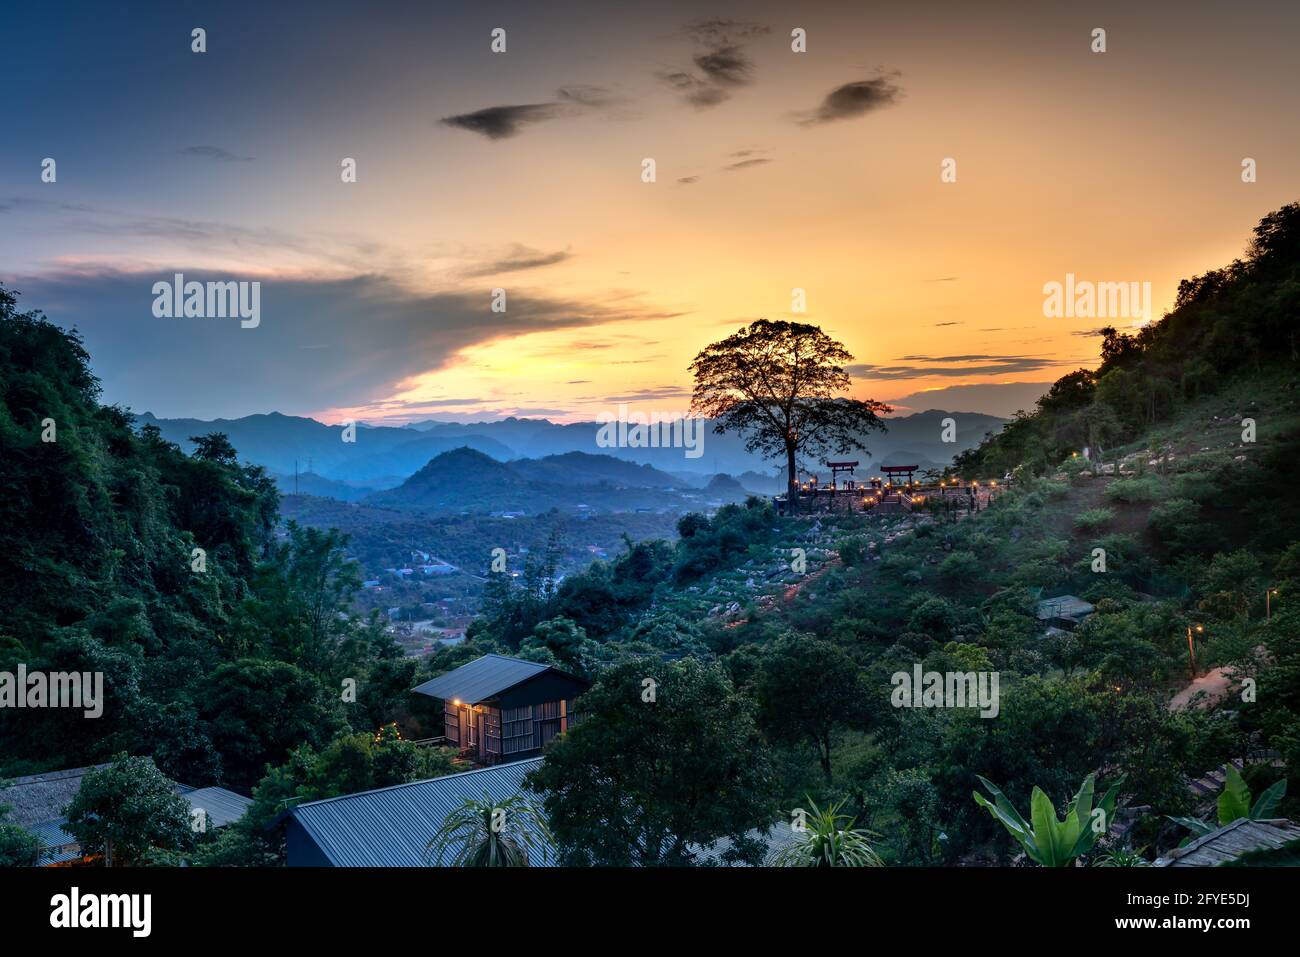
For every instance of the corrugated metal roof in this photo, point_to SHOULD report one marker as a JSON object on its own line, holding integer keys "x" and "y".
{"x": 42, "y": 797}
{"x": 59, "y": 844}
{"x": 1232, "y": 841}
{"x": 481, "y": 679}
{"x": 390, "y": 827}
{"x": 221, "y": 806}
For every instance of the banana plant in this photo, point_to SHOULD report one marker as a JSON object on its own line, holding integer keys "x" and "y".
{"x": 1234, "y": 804}
{"x": 1049, "y": 841}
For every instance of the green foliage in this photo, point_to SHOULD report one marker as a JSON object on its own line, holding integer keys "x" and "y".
{"x": 807, "y": 691}
{"x": 1093, "y": 519}
{"x": 1176, "y": 526}
{"x": 492, "y": 833}
{"x": 125, "y": 810}
{"x": 1234, "y": 804}
{"x": 647, "y": 781}
{"x": 18, "y": 846}
{"x": 1136, "y": 490}
{"x": 1049, "y": 841}
{"x": 828, "y": 840}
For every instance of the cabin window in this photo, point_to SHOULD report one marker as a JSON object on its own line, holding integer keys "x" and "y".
{"x": 517, "y": 729}
{"x": 451, "y": 723}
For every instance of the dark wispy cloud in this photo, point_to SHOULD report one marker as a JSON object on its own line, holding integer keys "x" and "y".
{"x": 519, "y": 259}
{"x": 747, "y": 163}
{"x": 993, "y": 398}
{"x": 215, "y": 153}
{"x": 590, "y": 96}
{"x": 1088, "y": 333}
{"x": 938, "y": 324}
{"x": 855, "y": 99}
{"x": 642, "y": 395}
{"x": 721, "y": 67}
{"x": 502, "y": 122}
{"x": 377, "y": 333}
{"x": 917, "y": 367}
{"x": 687, "y": 180}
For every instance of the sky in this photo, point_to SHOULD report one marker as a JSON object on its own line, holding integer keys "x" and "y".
{"x": 825, "y": 171}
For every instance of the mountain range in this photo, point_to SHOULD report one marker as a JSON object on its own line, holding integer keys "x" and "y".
{"x": 383, "y": 457}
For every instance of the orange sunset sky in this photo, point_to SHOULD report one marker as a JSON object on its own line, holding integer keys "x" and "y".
{"x": 522, "y": 170}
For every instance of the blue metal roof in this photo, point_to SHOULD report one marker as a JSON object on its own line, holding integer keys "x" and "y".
{"x": 222, "y": 807}
{"x": 59, "y": 844}
{"x": 482, "y": 679}
{"x": 390, "y": 827}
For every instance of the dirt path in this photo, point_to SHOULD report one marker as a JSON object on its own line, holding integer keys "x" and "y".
{"x": 1215, "y": 683}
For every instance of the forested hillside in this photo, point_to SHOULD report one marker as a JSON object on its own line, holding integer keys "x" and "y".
{"x": 222, "y": 640}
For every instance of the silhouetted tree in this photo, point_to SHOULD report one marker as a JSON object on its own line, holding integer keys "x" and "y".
{"x": 777, "y": 383}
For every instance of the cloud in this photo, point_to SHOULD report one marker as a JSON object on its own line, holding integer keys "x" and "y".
{"x": 654, "y": 393}
{"x": 722, "y": 67}
{"x": 1087, "y": 333}
{"x": 376, "y": 334}
{"x": 687, "y": 180}
{"x": 746, "y": 163}
{"x": 590, "y": 96}
{"x": 502, "y": 122}
{"x": 953, "y": 366}
{"x": 215, "y": 153}
{"x": 855, "y": 99}
{"x": 1001, "y": 398}
{"x": 520, "y": 258}
{"x": 938, "y": 324}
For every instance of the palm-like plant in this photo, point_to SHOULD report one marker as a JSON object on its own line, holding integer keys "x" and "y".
{"x": 1051, "y": 842}
{"x": 829, "y": 840}
{"x": 1122, "y": 857}
{"x": 490, "y": 833}
{"x": 1234, "y": 804}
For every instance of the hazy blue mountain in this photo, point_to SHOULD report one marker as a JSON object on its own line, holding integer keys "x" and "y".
{"x": 466, "y": 480}
{"x": 381, "y": 455}
{"x": 582, "y": 468}
{"x": 384, "y": 456}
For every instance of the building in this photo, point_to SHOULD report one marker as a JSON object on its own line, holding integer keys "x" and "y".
{"x": 391, "y": 827}
{"x": 37, "y": 803}
{"x": 497, "y": 708}
{"x": 1065, "y": 612}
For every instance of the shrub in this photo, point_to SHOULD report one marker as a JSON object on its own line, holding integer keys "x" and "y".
{"x": 1093, "y": 519}
{"x": 1134, "y": 490}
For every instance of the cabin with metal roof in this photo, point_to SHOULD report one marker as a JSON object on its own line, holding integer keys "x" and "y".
{"x": 392, "y": 826}
{"x": 1065, "y": 612}
{"x": 37, "y": 803}
{"x": 504, "y": 709}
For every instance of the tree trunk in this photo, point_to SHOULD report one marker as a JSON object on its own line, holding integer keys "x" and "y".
{"x": 791, "y": 482}
{"x": 824, "y": 747}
